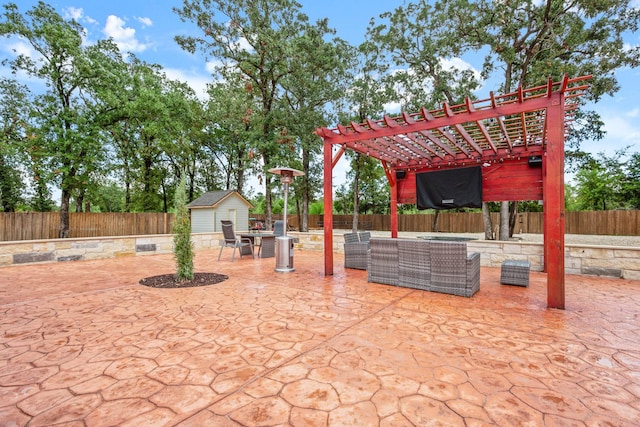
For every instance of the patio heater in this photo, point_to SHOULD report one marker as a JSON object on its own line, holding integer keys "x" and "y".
{"x": 284, "y": 243}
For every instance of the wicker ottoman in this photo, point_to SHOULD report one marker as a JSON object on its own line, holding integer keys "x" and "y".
{"x": 515, "y": 273}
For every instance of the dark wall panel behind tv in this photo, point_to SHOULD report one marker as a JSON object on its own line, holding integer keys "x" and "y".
{"x": 449, "y": 188}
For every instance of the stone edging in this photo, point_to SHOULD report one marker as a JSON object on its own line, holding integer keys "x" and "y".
{"x": 610, "y": 261}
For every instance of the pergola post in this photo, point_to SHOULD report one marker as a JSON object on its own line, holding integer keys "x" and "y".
{"x": 394, "y": 207}
{"x": 328, "y": 209}
{"x": 553, "y": 193}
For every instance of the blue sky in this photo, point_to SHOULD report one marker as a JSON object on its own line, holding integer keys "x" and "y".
{"x": 148, "y": 27}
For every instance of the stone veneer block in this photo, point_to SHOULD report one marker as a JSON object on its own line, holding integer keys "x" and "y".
{"x": 85, "y": 245}
{"x": 69, "y": 258}
{"x": 147, "y": 247}
{"x": 33, "y": 257}
{"x": 601, "y": 271}
{"x": 631, "y": 275}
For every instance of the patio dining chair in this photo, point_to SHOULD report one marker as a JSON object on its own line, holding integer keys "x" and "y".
{"x": 278, "y": 230}
{"x": 232, "y": 241}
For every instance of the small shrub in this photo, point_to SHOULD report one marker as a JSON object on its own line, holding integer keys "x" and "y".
{"x": 182, "y": 245}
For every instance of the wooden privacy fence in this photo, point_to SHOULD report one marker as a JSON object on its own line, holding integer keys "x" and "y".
{"x": 45, "y": 225}
{"x": 615, "y": 223}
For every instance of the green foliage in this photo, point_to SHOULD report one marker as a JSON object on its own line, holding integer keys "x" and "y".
{"x": 13, "y": 124}
{"x": 600, "y": 183}
{"x": 316, "y": 208}
{"x": 631, "y": 182}
{"x": 278, "y": 206}
{"x": 258, "y": 203}
{"x": 570, "y": 198}
{"x": 182, "y": 245}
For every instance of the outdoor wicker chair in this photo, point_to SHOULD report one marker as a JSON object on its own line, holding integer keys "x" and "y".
{"x": 452, "y": 270}
{"x": 356, "y": 252}
{"x": 231, "y": 241}
{"x": 364, "y": 236}
{"x": 383, "y": 261}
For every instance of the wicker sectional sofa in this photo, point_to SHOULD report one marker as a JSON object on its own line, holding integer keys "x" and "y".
{"x": 439, "y": 266}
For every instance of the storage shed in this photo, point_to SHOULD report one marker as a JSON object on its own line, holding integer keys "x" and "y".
{"x": 213, "y": 206}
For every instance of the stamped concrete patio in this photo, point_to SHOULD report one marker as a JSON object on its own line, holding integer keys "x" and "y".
{"x": 83, "y": 344}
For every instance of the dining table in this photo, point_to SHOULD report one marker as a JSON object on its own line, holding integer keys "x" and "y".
{"x": 266, "y": 243}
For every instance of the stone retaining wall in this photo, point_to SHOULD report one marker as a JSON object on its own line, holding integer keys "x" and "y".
{"x": 611, "y": 261}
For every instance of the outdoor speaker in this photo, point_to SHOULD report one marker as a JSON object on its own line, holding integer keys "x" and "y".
{"x": 400, "y": 174}
{"x": 535, "y": 161}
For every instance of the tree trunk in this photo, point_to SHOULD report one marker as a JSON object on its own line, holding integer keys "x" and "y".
{"x": 64, "y": 214}
{"x": 513, "y": 216}
{"x": 267, "y": 191}
{"x": 356, "y": 195}
{"x": 80, "y": 201}
{"x": 303, "y": 221}
{"x": 7, "y": 189}
{"x": 436, "y": 217}
{"x": 504, "y": 221}
{"x": 488, "y": 224}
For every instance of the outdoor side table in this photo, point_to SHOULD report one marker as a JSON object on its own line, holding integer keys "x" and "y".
{"x": 514, "y": 272}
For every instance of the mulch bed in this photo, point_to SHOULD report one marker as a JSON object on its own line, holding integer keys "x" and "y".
{"x": 171, "y": 281}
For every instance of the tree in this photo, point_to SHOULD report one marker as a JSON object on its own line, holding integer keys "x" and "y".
{"x": 526, "y": 43}
{"x": 531, "y": 42}
{"x": 631, "y": 182}
{"x": 14, "y": 123}
{"x": 182, "y": 245}
{"x": 600, "y": 183}
{"x": 229, "y": 132}
{"x": 64, "y": 120}
{"x": 366, "y": 97}
{"x": 319, "y": 77}
{"x": 260, "y": 39}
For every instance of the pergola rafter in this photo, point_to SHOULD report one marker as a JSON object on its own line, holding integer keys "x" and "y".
{"x": 504, "y": 132}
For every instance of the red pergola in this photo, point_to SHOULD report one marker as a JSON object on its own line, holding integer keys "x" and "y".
{"x": 505, "y": 133}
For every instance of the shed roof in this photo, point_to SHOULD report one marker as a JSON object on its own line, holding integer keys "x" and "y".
{"x": 212, "y": 199}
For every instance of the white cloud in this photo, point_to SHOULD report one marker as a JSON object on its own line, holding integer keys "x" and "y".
{"x": 212, "y": 66}
{"x": 73, "y": 13}
{"x": 77, "y": 13}
{"x": 18, "y": 47}
{"x": 146, "y": 22}
{"x": 457, "y": 64}
{"x": 392, "y": 107}
{"x": 633, "y": 113}
{"x": 621, "y": 130}
{"x": 124, "y": 37}
{"x": 198, "y": 82}
{"x": 243, "y": 44}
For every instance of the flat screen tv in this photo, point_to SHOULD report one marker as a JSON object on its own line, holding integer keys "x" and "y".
{"x": 449, "y": 188}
